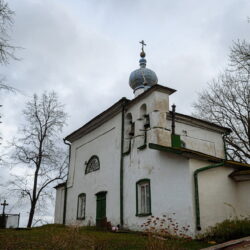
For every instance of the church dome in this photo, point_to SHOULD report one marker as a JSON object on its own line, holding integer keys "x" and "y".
{"x": 142, "y": 77}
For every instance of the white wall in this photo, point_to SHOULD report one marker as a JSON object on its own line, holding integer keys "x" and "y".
{"x": 170, "y": 186}
{"x": 171, "y": 176}
{"x": 105, "y": 143}
{"x": 200, "y": 139}
{"x": 243, "y": 198}
{"x": 217, "y": 193}
{"x": 168, "y": 173}
{"x": 59, "y": 205}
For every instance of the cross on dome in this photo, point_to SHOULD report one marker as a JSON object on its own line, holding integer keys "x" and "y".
{"x": 142, "y": 78}
{"x": 142, "y": 48}
{"x": 142, "y": 44}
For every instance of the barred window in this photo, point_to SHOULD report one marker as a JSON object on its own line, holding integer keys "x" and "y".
{"x": 81, "y": 206}
{"x": 143, "y": 198}
{"x": 92, "y": 165}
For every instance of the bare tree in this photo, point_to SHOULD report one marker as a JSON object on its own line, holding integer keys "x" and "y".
{"x": 6, "y": 21}
{"x": 226, "y": 102}
{"x": 6, "y": 49}
{"x": 37, "y": 150}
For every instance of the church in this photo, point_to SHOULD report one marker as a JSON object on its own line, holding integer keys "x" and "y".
{"x": 140, "y": 159}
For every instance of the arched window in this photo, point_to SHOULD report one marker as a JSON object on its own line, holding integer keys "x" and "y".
{"x": 81, "y": 206}
{"x": 93, "y": 164}
{"x": 143, "y": 198}
{"x": 129, "y": 126}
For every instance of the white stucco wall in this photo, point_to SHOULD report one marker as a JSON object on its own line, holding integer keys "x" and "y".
{"x": 200, "y": 139}
{"x": 58, "y": 218}
{"x": 105, "y": 143}
{"x": 243, "y": 198}
{"x": 217, "y": 194}
{"x": 168, "y": 173}
{"x": 170, "y": 187}
{"x": 171, "y": 176}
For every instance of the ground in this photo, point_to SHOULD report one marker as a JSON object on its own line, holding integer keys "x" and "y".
{"x": 62, "y": 237}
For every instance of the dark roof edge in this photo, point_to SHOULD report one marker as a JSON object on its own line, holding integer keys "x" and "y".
{"x": 97, "y": 120}
{"x": 214, "y": 125}
{"x": 189, "y": 153}
{"x": 158, "y": 87}
{"x": 63, "y": 184}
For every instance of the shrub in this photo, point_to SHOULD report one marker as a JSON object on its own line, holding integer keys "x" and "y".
{"x": 228, "y": 230}
{"x": 166, "y": 227}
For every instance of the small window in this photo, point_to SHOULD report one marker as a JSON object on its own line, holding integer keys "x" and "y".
{"x": 143, "y": 198}
{"x": 92, "y": 165}
{"x": 81, "y": 206}
{"x": 132, "y": 130}
{"x": 147, "y": 121}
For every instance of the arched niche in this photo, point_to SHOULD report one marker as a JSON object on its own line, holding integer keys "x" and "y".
{"x": 144, "y": 116}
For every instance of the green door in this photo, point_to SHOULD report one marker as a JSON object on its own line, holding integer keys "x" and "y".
{"x": 101, "y": 209}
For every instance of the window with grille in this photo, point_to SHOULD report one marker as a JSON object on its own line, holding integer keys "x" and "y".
{"x": 81, "y": 206}
{"x": 93, "y": 164}
{"x": 143, "y": 198}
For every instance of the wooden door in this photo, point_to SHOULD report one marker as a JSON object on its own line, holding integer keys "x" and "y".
{"x": 101, "y": 219}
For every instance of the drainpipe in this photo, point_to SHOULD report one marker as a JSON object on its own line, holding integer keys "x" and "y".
{"x": 196, "y": 186}
{"x": 121, "y": 164}
{"x": 66, "y": 189}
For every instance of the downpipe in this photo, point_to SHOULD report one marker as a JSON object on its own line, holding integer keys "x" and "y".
{"x": 66, "y": 189}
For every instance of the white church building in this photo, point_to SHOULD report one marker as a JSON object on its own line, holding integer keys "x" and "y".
{"x": 139, "y": 159}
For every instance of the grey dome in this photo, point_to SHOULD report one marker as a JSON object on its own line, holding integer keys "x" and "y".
{"x": 142, "y": 77}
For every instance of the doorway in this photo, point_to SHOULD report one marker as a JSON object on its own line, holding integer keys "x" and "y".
{"x": 101, "y": 219}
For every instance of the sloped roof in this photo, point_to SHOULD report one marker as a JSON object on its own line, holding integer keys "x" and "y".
{"x": 189, "y": 153}
{"x": 124, "y": 102}
{"x": 112, "y": 111}
{"x": 196, "y": 121}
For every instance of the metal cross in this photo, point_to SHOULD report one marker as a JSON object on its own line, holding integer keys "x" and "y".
{"x": 4, "y": 204}
{"x": 142, "y": 44}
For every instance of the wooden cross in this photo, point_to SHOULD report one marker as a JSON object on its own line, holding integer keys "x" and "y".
{"x": 4, "y": 204}
{"x": 142, "y": 44}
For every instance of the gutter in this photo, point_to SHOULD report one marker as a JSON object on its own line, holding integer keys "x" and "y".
{"x": 66, "y": 189}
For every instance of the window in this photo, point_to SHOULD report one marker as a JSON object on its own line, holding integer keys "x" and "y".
{"x": 143, "y": 198}
{"x": 92, "y": 165}
{"x": 81, "y": 205}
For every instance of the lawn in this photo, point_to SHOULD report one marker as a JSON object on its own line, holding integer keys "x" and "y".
{"x": 61, "y": 237}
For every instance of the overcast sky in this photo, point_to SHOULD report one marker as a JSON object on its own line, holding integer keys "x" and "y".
{"x": 86, "y": 50}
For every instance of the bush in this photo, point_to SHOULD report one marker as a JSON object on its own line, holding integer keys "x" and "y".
{"x": 228, "y": 230}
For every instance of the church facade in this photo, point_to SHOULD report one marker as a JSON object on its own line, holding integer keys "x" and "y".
{"x": 139, "y": 159}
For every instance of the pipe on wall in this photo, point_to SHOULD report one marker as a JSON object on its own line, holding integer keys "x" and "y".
{"x": 196, "y": 190}
{"x": 66, "y": 189}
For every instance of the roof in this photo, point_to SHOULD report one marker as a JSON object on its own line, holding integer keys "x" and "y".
{"x": 63, "y": 184}
{"x": 240, "y": 175}
{"x": 124, "y": 102}
{"x": 112, "y": 111}
{"x": 157, "y": 87}
{"x": 98, "y": 120}
{"x": 196, "y": 121}
{"x": 189, "y": 153}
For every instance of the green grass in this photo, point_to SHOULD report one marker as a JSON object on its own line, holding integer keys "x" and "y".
{"x": 61, "y": 237}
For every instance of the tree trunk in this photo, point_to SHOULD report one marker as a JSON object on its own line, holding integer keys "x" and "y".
{"x": 31, "y": 214}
